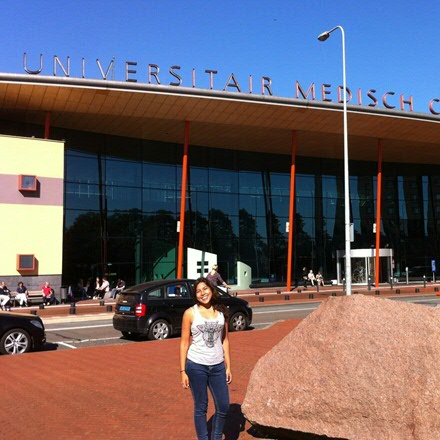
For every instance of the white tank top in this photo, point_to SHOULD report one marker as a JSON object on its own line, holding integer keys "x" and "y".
{"x": 207, "y": 346}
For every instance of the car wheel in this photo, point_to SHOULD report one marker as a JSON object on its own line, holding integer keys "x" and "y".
{"x": 160, "y": 329}
{"x": 130, "y": 335}
{"x": 238, "y": 322}
{"x": 15, "y": 341}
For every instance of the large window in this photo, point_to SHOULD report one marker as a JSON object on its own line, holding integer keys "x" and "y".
{"x": 122, "y": 205}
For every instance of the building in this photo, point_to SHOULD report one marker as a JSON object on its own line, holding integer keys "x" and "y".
{"x": 118, "y": 148}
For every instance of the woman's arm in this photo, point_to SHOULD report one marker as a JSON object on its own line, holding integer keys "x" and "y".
{"x": 185, "y": 340}
{"x": 227, "y": 354}
{"x": 221, "y": 281}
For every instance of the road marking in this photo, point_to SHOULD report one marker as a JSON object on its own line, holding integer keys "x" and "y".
{"x": 85, "y": 340}
{"x": 77, "y": 328}
{"x": 67, "y": 345}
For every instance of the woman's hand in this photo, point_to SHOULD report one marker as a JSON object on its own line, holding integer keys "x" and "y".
{"x": 184, "y": 379}
{"x": 228, "y": 375}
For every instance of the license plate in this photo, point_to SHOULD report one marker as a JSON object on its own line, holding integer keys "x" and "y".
{"x": 124, "y": 308}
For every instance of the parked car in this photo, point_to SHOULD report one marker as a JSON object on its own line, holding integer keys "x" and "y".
{"x": 155, "y": 309}
{"x": 20, "y": 333}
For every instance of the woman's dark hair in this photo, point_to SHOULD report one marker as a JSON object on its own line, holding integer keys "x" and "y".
{"x": 215, "y": 301}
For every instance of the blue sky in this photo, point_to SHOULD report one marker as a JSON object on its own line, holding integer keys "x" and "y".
{"x": 390, "y": 45}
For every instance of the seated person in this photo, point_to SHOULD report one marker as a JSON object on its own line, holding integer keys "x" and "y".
{"x": 319, "y": 279}
{"x": 176, "y": 291}
{"x": 22, "y": 295}
{"x": 4, "y": 296}
{"x": 97, "y": 291}
{"x": 120, "y": 286}
{"x": 81, "y": 290}
{"x": 48, "y": 294}
{"x": 102, "y": 289}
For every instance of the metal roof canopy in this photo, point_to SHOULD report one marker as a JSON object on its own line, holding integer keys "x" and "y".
{"x": 219, "y": 119}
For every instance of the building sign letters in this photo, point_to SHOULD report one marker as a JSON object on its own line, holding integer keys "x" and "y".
{"x": 174, "y": 75}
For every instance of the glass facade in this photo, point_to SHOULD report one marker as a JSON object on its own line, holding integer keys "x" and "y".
{"x": 122, "y": 203}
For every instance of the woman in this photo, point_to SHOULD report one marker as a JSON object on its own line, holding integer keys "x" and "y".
{"x": 22, "y": 294}
{"x": 97, "y": 290}
{"x": 319, "y": 279}
{"x": 215, "y": 278}
{"x": 204, "y": 358}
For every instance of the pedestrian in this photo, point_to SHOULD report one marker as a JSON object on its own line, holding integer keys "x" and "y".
{"x": 304, "y": 276}
{"x": 48, "y": 294}
{"x": 22, "y": 294}
{"x": 103, "y": 288}
{"x": 311, "y": 277}
{"x": 215, "y": 278}
{"x": 120, "y": 286}
{"x": 97, "y": 291}
{"x": 204, "y": 358}
{"x": 319, "y": 279}
{"x": 4, "y": 296}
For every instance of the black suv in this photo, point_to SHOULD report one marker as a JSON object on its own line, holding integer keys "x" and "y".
{"x": 155, "y": 309}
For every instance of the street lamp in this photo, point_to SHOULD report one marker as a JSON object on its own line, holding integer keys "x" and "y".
{"x": 324, "y": 37}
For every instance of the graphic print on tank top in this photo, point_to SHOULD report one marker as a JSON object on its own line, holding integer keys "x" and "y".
{"x": 211, "y": 332}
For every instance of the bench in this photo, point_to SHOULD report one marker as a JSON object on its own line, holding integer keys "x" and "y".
{"x": 34, "y": 297}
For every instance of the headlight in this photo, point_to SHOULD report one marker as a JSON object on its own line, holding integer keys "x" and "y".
{"x": 37, "y": 323}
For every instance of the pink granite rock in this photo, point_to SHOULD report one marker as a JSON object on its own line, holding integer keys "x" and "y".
{"x": 357, "y": 368}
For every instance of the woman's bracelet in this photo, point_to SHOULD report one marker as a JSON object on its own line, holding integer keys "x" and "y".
{"x": 182, "y": 371}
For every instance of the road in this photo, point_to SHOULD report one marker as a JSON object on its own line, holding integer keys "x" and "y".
{"x": 93, "y": 331}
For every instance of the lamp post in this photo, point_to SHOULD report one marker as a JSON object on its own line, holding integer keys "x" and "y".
{"x": 324, "y": 37}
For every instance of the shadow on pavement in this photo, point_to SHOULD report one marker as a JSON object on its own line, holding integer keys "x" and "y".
{"x": 49, "y": 346}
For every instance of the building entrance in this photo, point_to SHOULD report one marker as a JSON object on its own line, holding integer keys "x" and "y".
{"x": 363, "y": 265}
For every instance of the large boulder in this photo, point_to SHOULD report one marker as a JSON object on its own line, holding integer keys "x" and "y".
{"x": 357, "y": 368}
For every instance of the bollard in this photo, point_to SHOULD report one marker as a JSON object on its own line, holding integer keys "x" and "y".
{"x": 33, "y": 312}
{"x": 377, "y": 292}
{"x": 391, "y": 282}
{"x": 261, "y": 299}
{"x": 286, "y": 297}
{"x": 417, "y": 290}
{"x": 424, "y": 281}
{"x": 72, "y": 309}
{"x": 333, "y": 293}
{"x": 398, "y": 291}
{"x": 369, "y": 283}
{"x": 317, "y": 288}
{"x": 102, "y": 303}
{"x": 257, "y": 293}
{"x": 435, "y": 289}
{"x": 311, "y": 296}
{"x": 109, "y": 308}
{"x": 278, "y": 292}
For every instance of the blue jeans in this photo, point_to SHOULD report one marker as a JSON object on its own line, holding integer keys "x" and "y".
{"x": 202, "y": 377}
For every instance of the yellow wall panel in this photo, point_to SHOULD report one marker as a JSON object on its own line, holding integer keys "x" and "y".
{"x": 31, "y": 156}
{"x": 34, "y": 230}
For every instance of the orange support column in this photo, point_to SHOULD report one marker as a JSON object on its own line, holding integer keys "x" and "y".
{"x": 291, "y": 213}
{"x": 183, "y": 201}
{"x": 378, "y": 212}
{"x": 47, "y": 126}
